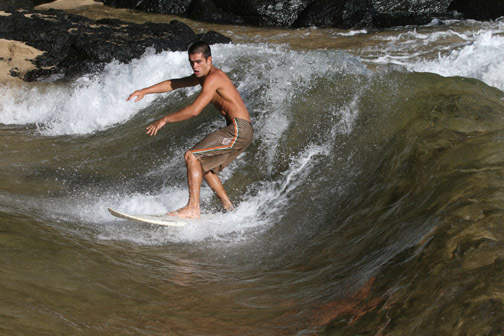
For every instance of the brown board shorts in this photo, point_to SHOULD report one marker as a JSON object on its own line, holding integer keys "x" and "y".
{"x": 221, "y": 147}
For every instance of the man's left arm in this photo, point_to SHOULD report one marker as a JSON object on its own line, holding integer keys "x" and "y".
{"x": 204, "y": 98}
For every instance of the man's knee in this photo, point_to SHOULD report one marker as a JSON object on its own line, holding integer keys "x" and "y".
{"x": 189, "y": 156}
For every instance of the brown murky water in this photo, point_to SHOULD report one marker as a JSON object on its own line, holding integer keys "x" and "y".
{"x": 369, "y": 203}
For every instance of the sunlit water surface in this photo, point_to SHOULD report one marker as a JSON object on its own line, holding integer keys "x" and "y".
{"x": 369, "y": 202}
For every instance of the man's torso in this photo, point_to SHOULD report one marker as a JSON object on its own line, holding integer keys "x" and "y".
{"x": 226, "y": 98}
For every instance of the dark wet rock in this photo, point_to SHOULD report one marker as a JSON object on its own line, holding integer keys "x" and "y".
{"x": 207, "y": 10}
{"x": 265, "y": 13}
{"x": 212, "y": 37}
{"x": 412, "y": 12}
{"x": 479, "y": 10}
{"x": 342, "y": 14}
{"x": 320, "y": 13}
{"x": 10, "y": 5}
{"x": 177, "y": 7}
{"x": 74, "y": 45}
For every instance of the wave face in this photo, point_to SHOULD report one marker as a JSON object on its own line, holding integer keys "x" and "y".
{"x": 367, "y": 202}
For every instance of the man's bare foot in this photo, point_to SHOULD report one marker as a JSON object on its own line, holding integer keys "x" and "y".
{"x": 185, "y": 212}
{"x": 228, "y": 206}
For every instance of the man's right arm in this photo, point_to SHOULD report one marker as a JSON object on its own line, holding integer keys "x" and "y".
{"x": 165, "y": 86}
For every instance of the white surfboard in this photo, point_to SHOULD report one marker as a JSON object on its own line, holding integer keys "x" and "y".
{"x": 159, "y": 219}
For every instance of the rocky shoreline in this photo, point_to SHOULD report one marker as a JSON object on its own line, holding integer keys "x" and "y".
{"x": 43, "y": 43}
{"x": 319, "y": 13}
{"x": 52, "y": 44}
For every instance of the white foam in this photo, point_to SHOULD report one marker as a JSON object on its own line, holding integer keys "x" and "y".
{"x": 483, "y": 60}
{"x": 97, "y": 102}
{"x": 273, "y": 197}
{"x": 278, "y": 79}
{"x": 264, "y": 204}
{"x": 261, "y": 209}
{"x": 92, "y": 210}
{"x": 91, "y": 103}
{"x": 475, "y": 51}
{"x": 271, "y": 80}
{"x": 352, "y": 32}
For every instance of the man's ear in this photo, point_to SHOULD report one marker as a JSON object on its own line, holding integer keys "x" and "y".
{"x": 209, "y": 59}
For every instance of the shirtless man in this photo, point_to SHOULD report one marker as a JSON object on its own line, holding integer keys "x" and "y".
{"x": 218, "y": 149}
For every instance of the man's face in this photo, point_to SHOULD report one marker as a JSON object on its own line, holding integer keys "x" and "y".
{"x": 200, "y": 65}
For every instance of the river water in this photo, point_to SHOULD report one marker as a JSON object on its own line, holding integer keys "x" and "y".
{"x": 370, "y": 201}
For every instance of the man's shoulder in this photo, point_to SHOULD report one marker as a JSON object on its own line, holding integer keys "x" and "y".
{"x": 217, "y": 73}
{"x": 216, "y": 76}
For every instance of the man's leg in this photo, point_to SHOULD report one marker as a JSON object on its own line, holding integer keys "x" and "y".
{"x": 215, "y": 183}
{"x": 194, "y": 177}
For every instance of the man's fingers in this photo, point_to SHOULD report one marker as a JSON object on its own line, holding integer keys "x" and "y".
{"x": 152, "y": 130}
{"x": 136, "y": 94}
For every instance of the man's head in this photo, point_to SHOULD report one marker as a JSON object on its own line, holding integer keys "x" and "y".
{"x": 200, "y": 47}
{"x": 200, "y": 57}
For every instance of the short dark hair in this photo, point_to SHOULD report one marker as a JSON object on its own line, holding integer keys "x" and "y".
{"x": 200, "y": 47}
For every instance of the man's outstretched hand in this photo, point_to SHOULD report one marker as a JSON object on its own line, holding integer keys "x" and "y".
{"x": 139, "y": 95}
{"x": 153, "y": 128}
